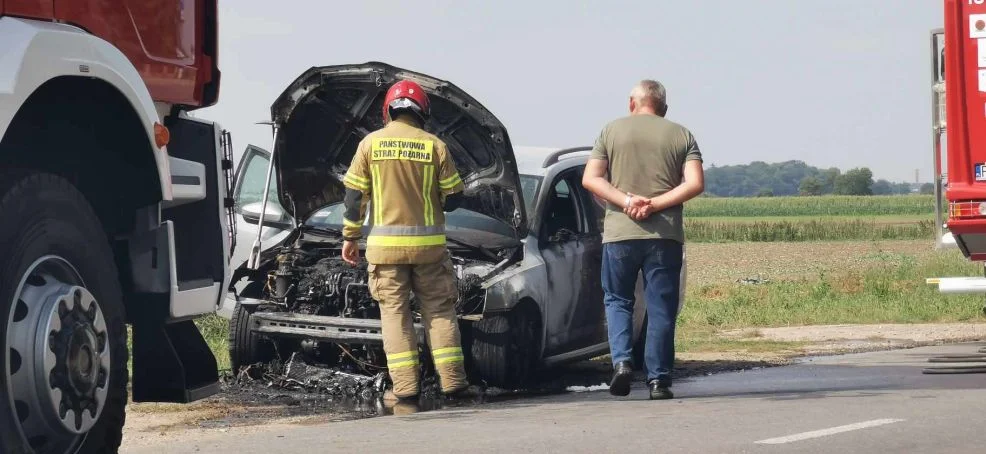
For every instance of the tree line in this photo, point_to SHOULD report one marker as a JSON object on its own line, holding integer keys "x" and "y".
{"x": 760, "y": 179}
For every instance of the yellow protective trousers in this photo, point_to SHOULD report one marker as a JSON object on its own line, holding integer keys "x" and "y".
{"x": 434, "y": 286}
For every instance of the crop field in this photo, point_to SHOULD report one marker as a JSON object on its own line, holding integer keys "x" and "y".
{"x": 909, "y": 205}
{"x": 826, "y": 218}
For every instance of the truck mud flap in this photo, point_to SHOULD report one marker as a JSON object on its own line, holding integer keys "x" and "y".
{"x": 323, "y": 328}
{"x": 172, "y": 363}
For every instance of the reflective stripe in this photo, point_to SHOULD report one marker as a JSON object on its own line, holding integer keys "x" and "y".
{"x": 426, "y": 192}
{"x": 377, "y": 209}
{"x": 402, "y": 363}
{"x": 407, "y": 230}
{"x": 447, "y": 355}
{"x": 396, "y": 241}
{"x": 348, "y": 223}
{"x": 450, "y": 182}
{"x": 402, "y": 355}
{"x": 442, "y": 351}
{"x": 451, "y": 359}
{"x": 404, "y": 359}
{"x": 358, "y": 182}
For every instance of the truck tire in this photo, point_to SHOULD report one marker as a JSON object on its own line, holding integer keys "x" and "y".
{"x": 505, "y": 348}
{"x": 62, "y": 325}
{"x": 245, "y": 347}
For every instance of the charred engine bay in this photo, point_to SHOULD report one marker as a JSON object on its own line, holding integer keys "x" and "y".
{"x": 309, "y": 278}
{"x": 316, "y": 281}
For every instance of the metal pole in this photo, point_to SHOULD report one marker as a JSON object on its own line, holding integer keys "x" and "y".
{"x": 936, "y": 137}
{"x": 252, "y": 263}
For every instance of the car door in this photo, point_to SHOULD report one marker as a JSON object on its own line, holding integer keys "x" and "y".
{"x": 248, "y": 191}
{"x": 562, "y": 243}
{"x": 589, "y": 311}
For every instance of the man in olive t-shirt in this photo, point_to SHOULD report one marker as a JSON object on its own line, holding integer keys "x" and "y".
{"x": 654, "y": 166}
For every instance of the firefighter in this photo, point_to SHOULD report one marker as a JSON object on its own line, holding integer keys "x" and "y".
{"x": 408, "y": 179}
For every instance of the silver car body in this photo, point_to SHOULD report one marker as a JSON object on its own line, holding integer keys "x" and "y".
{"x": 561, "y": 277}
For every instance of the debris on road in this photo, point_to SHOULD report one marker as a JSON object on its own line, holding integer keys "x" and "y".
{"x": 299, "y": 376}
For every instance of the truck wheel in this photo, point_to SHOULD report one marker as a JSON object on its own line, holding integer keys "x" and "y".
{"x": 62, "y": 333}
{"x": 246, "y": 347}
{"x": 505, "y": 348}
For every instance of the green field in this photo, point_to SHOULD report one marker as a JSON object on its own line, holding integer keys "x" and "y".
{"x": 825, "y": 218}
{"x": 910, "y": 205}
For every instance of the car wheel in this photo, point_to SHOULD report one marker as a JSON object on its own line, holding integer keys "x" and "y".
{"x": 246, "y": 347}
{"x": 62, "y": 332}
{"x": 505, "y": 348}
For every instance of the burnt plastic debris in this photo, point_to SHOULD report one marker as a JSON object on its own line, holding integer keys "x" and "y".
{"x": 305, "y": 388}
{"x": 299, "y": 376}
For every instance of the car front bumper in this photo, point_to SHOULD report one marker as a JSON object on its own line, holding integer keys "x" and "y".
{"x": 341, "y": 330}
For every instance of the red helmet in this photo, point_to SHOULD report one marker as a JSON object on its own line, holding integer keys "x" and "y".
{"x": 406, "y": 95}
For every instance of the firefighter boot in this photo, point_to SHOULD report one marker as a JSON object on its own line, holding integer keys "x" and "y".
{"x": 390, "y": 285}
{"x": 434, "y": 286}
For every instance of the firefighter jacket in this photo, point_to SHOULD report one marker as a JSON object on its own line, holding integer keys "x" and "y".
{"x": 404, "y": 174}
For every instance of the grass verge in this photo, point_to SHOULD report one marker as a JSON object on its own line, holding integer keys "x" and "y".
{"x": 890, "y": 289}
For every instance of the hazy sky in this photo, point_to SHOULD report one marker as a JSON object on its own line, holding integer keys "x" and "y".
{"x": 834, "y": 83}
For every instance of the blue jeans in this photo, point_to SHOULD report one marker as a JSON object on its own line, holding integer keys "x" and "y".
{"x": 660, "y": 261}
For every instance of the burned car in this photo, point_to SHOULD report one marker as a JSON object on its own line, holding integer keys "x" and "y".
{"x": 526, "y": 247}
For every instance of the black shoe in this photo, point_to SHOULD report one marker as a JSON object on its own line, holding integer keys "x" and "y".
{"x": 660, "y": 390}
{"x": 622, "y": 375}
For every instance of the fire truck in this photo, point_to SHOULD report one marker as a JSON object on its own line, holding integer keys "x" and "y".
{"x": 115, "y": 221}
{"x": 958, "y": 56}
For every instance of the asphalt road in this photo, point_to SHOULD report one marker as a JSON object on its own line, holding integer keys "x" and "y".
{"x": 866, "y": 403}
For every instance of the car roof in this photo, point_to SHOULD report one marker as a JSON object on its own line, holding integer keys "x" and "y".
{"x": 530, "y": 160}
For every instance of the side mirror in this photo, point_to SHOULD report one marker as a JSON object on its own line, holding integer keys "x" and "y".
{"x": 273, "y": 213}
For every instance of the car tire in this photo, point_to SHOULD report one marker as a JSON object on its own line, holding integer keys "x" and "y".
{"x": 505, "y": 348}
{"x": 246, "y": 347}
{"x": 59, "y": 293}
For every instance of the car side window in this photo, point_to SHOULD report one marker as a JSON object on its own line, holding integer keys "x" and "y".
{"x": 250, "y": 189}
{"x": 593, "y": 206}
{"x": 562, "y": 218}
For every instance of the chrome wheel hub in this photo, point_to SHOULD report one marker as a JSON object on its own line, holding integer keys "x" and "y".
{"x": 59, "y": 356}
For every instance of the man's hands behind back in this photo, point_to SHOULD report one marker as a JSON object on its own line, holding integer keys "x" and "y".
{"x": 639, "y": 208}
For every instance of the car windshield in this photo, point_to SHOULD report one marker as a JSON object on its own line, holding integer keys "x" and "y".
{"x": 462, "y": 225}
{"x": 460, "y": 220}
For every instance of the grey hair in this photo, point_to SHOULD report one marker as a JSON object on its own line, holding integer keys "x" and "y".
{"x": 650, "y": 91}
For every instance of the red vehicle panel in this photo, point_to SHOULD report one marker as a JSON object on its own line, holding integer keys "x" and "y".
{"x": 39, "y": 9}
{"x": 965, "y": 78}
{"x": 172, "y": 43}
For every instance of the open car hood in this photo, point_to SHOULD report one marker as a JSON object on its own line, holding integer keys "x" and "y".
{"x": 322, "y": 116}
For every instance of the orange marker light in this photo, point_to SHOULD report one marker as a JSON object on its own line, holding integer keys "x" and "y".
{"x": 161, "y": 135}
